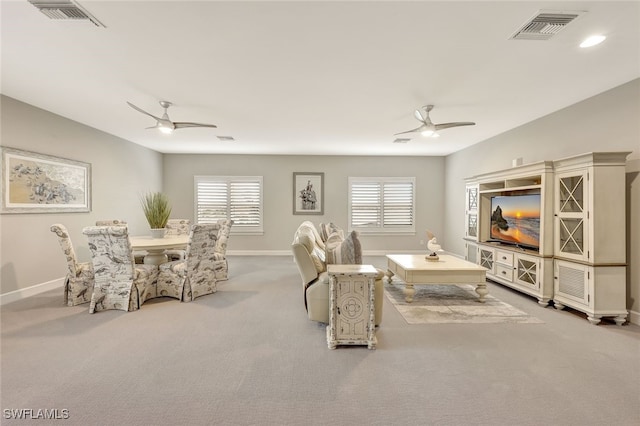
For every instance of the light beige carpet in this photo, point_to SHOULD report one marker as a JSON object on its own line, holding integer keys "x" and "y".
{"x": 440, "y": 304}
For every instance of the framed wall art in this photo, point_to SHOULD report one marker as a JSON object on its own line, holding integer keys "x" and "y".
{"x": 308, "y": 193}
{"x": 39, "y": 183}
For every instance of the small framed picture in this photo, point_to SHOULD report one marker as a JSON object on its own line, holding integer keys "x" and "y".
{"x": 308, "y": 193}
{"x": 39, "y": 183}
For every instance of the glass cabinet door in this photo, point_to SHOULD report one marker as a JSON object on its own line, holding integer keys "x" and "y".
{"x": 527, "y": 271}
{"x": 571, "y": 216}
{"x": 486, "y": 259}
{"x": 472, "y": 226}
{"x": 472, "y": 198}
{"x": 471, "y": 212}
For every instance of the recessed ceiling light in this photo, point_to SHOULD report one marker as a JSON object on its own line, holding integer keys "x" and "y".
{"x": 592, "y": 41}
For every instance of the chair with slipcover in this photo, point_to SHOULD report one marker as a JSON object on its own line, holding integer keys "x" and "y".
{"x": 194, "y": 276}
{"x": 114, "y": 222}
{"x": 78, "y": 284}
{"x": 221, "y": 265}
{"x": 119, "y": 282}
{"x": 177, "y": 227}
{"x": 137, "y": 255}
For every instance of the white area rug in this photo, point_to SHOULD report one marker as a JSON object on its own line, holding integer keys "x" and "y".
{"x": 441, "y": 304}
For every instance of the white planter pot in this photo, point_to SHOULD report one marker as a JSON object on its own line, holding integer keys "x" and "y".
{"x": 158, "y": 232}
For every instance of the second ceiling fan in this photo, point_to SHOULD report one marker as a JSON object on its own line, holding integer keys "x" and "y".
{"x": 428, "y": 127}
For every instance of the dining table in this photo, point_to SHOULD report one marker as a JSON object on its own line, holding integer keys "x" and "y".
{"x": 155, "y": 247}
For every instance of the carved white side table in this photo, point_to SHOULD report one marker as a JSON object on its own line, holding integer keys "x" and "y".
{"x": 351, "y": 305}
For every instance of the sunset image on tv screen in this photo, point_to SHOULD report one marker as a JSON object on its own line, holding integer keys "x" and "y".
{"x": 515, "y": 219}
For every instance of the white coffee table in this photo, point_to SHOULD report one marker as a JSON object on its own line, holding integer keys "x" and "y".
{"x": 415, "y": 269}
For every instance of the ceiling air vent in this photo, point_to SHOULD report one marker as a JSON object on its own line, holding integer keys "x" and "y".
{"x": 65, "y": 10}
{"x": 545, "y": 24}
{"x": 401, "y": 140}
{"x": 226, "y": 138}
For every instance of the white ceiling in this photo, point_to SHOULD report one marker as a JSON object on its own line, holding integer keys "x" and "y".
{"x": 302, "y": 77}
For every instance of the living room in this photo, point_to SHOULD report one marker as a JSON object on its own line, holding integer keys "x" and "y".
{"x": 121, "y": 170}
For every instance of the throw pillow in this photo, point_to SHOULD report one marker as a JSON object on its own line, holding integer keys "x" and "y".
{"x": 344, "y": 252}
{"x": 326, "y": 229}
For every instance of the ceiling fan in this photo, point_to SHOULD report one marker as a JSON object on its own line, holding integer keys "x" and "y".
{"x": 164, "y": 123}
{"x": 428, "y": 128}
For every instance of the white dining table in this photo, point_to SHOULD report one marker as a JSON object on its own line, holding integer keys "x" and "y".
{"x": 155, "y": 247}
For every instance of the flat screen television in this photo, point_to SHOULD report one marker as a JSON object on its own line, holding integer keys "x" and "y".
{"x": 515, "y": 219}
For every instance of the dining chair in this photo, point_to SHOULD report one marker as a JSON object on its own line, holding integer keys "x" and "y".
{"x": 137, "y": 255}
{"x": 119, "y": 282}
{"x": 78, "y": 284}
{"x": 194, "y": 276}
{"x": 114, "y": 222}
{"x": 221, "y": 266}
{"x": 177, "y": 227}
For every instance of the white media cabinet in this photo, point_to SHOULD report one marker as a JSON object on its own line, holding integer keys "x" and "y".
{"x": 580, "y": 261}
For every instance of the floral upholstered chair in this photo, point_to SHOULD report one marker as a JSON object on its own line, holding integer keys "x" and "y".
{"x": 177, "y": 227}
{"x": 114, "y": 222}
{"x": 221, "y": 265}
{"x": 78, "y": 285}
{"x": 137, "y": 255}
{"x": 194, "y": 276}
{"x": 119, "y": 282}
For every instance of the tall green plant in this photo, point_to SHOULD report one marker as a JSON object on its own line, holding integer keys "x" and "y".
{"x": 156, "y": 209}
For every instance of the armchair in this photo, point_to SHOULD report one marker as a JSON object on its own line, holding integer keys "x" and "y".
{"x": 312, "y": 255}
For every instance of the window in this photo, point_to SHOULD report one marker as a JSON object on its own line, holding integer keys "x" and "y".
{"x": 382, "y": 205}
{"x": 238, "y": 198}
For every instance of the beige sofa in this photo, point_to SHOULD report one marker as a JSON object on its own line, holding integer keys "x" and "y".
{"x": 311, "y": 251}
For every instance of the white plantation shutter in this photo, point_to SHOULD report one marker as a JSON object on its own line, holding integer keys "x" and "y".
{"x": 238, "y": 198}
{"x": 383, "y": 205}
{"x": 397, "y": 209}
{"x": 365, "y": 204}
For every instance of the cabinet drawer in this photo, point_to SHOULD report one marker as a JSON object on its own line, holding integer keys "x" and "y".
{"x": 504, "y": 272}
{"x": 504, "y": 257}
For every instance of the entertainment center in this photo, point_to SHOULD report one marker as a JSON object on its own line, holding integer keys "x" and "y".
{"x": 545, "y": 229}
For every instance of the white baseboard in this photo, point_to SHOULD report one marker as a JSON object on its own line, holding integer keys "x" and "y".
{"x": 22, "y": 293}
{"x": 634, "y": 317}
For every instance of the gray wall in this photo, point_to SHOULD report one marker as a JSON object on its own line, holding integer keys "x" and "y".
{"x": 121, "y": 171}
{"x": 277, "y": 170}
{"x": 607, "y": 122}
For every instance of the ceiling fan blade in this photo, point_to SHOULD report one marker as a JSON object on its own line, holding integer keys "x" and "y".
{"x": 411, "y": 131}
{"x": 183, "y": 124}
{"x": 418, "y": 115}
{"x": 142, "y": 111}
{"x": 457, "y": 124}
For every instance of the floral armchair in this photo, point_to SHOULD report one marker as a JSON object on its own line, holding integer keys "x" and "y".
{"x": 194, "y": 276}
{"x": 119, "y": 282}
{"x": 78, "y": 285}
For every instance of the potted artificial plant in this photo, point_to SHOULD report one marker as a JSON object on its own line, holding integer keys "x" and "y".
{"x": 157, "y": 211}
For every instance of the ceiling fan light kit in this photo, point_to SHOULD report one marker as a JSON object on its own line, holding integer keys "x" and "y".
{"x": 428, "y": 128}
